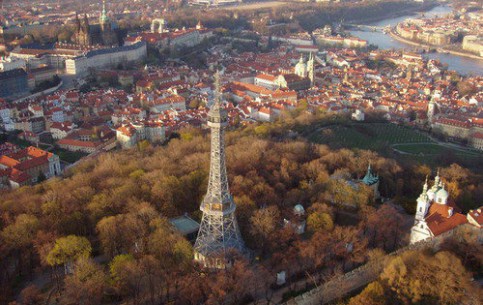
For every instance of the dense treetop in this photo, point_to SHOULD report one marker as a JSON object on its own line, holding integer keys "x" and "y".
{"x": 115, "y": 208}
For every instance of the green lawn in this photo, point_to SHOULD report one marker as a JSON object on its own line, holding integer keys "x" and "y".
{"x": 373, "y": 136}
{"x": 389, "y": 139}
{"x": 69, "y": 156}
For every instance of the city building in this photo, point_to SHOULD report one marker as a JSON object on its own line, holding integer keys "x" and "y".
{"x": 473, "y": 44}
{"x": 476, "y": 140}
{"x": 61, "y": 130}
{"x": 13, "y": 83}
{"x": 213, "y": 2}
{"x": 89, "y": 140}
{"x": 452, "y": 128}
{"x": 358, "y": 115}
{"x": 11, "y": 63}
{"x": 108, "y": 57}
{"x": 27, "y": 166}
{"x": 411, "y": 31}
{"x": 128, "y": 135}
{"x": 50, "y": 55}
{"x": 31, "y": 124}
{"x": 163, "y": 38}
{"x": 266, "y": 81}
{"x": 323, "y": 39}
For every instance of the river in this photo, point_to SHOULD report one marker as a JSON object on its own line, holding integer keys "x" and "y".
{"x": 461, "y": 64}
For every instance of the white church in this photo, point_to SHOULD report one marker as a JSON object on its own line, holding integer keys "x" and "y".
{"x": 436, "y": 213}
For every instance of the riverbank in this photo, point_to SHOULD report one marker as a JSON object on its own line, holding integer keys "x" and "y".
{"x": 395, "y": 36}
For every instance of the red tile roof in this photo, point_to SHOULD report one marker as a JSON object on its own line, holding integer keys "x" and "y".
{"x": 19, "y": 176}
{"x": 439, "y": 220}
{"x": 79, "y": 143}
{"x": 477, "y": 216}
{"x": 267, "y": 77}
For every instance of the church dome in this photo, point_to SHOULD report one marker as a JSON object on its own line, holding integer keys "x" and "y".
{"x": 300, "y": 65}
{"x": 441, "y": 196}
{"x": 301, "y": 68}
{"x": 298, "y": 209}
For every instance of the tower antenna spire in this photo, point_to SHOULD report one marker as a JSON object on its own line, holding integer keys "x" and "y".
{"x": 217, "y": 87}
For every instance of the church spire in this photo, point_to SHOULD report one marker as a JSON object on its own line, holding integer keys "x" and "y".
{"x": 425, "y": 187}
{"x": 77, "y": 22}
{"x": 437, "y": 180}
{"x": 103, "y": 8}
{"x": 104, "y": 19}
{"x": 311, "y": 69}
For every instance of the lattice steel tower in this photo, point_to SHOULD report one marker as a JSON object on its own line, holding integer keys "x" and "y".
{"x": 219, "y": 232}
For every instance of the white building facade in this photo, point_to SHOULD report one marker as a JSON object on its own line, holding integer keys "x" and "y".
{"x": 106, "y": 57}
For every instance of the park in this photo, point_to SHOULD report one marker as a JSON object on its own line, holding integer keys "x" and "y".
{"x": 390, "y": 139}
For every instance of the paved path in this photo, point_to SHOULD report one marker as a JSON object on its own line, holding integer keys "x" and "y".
{"x": 436, "y": 142}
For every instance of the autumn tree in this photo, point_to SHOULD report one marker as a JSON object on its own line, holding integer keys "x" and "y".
{"x": 348, "y": 245}
{"x": 373, "y": 294}
{"x": 232, "y": 285}
{"x": 313, "y": 251}
{"x": 421, "y": 277}
{"x": 468, "y": 250}
{"x": 31, "y": 295}
{"x": 113, "y": 236}
{"x": 126, "y": 276}
{"x": 130, "y": 232}
{"x": 455, "y": 176}
{"x": 67, "y": 250}
{"x": 19, "y": 236}
{"x": 384, "y": 227}
{"x": 86, "y": 285}
{"x": 172, "y": 250}
{"x": 263, "y": 224}
{"x": 343, "y": 193}
{"x": 192, "y": 289}
{"x": 320, "y": 218}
